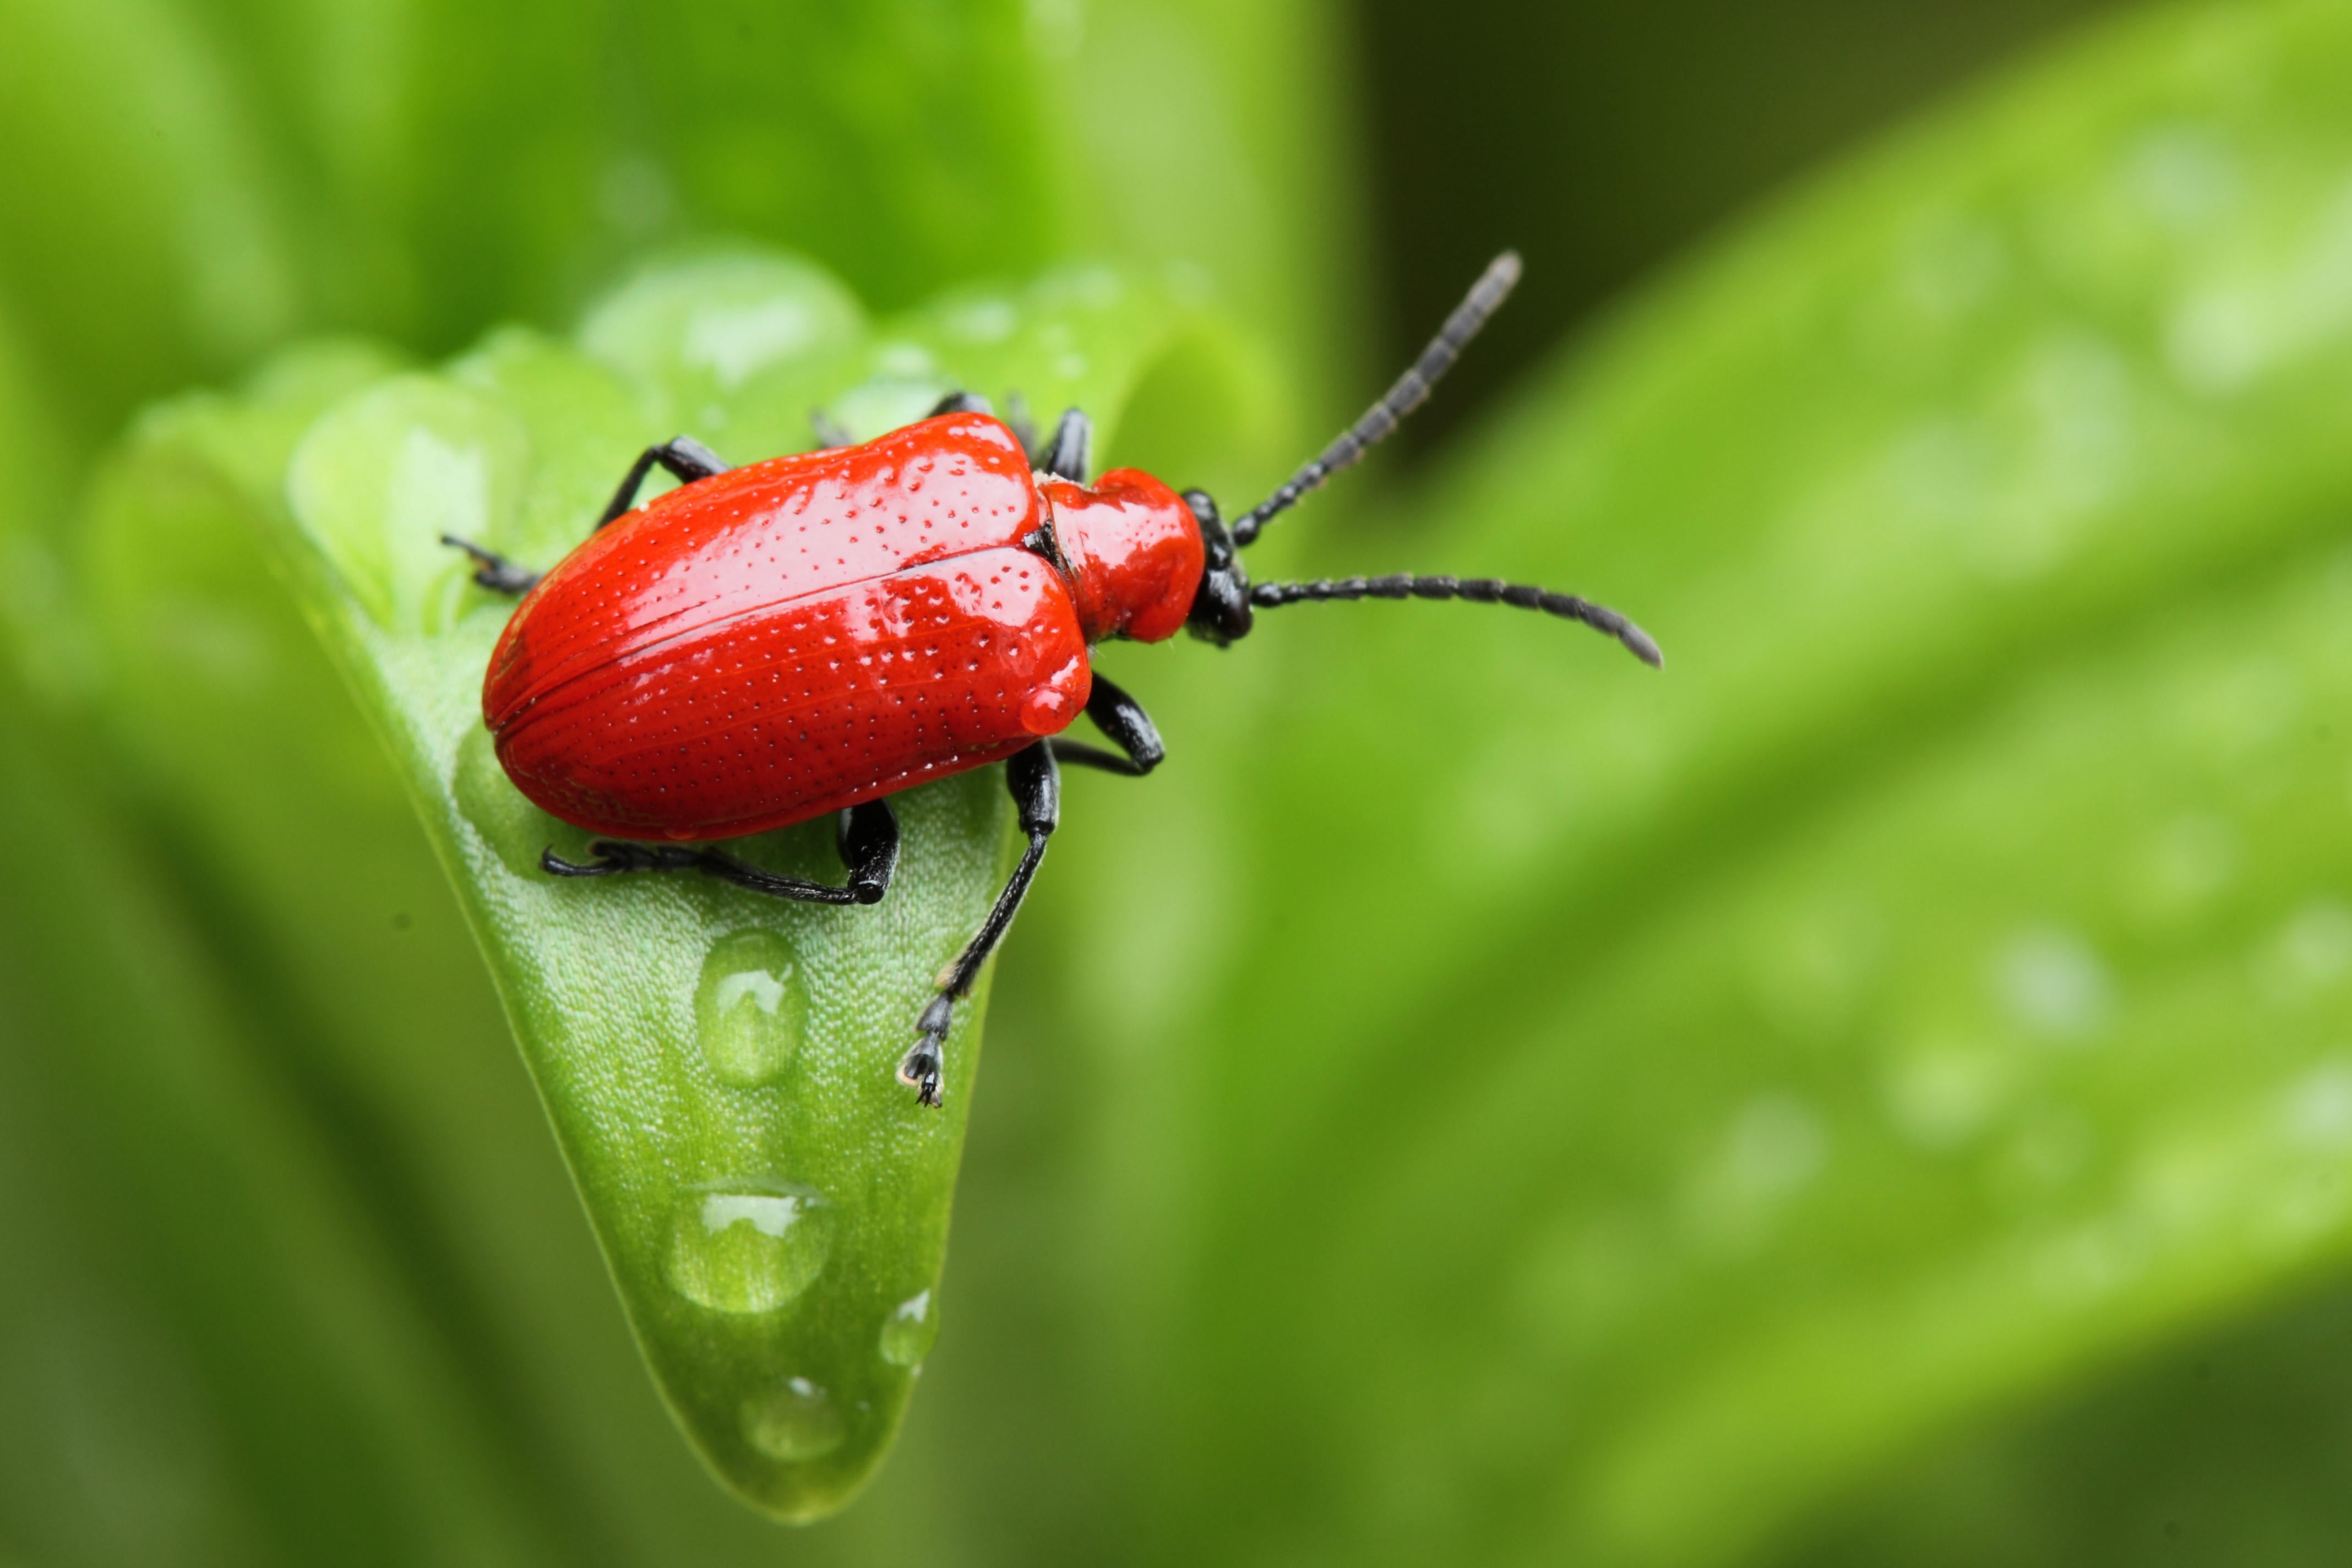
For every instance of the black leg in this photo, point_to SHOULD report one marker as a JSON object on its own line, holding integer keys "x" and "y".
{"x": 1023, "y": 428}
{"x": 1072, "y": 448}
{"x": 1131, "y": 728}
{"x": 494, "y": 571}
{"x": 867, "y": 838}
{"x": 687, "y": 458}
{"x": 960, "y": 402}
{"x": 684, "y": 456}
{"x": 830, "y": 437}
{"x": 1036, "y": 787}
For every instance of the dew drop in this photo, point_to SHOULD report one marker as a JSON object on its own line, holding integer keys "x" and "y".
{"x": 794, "y": 1421}
{"x": 751, "y": 1244}
{"x": 750, "y": 1007}
{"x": 908, "y": 1330}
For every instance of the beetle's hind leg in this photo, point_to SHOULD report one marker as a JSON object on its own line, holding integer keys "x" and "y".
{"x": 867, "y": 838}
{"x": 1036, "y": 787}
{"x": 1067, "y": 453}
{"x": 1023, "y": 428}
{"x": 1070, "y": 451}
{"x": 494, "y": 571}
{"x": 832, "y": 436}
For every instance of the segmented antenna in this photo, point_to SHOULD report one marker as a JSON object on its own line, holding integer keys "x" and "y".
{"x": 1476, "y": 590}
{"x": 1410, "y": 389}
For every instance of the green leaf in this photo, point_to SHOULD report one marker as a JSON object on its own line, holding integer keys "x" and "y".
{"x": 194, "y": 180}
{"x": 2228, "y": 1448}
{"x": 209, "y": 1352}
{"x": 719, "y": 1067}
{"x": 1643, "y": 1103}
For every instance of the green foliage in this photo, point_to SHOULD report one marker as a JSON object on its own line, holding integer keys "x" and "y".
{"x": 1691, "y": 1090}
{"x": 772, "y": 1203}
{"x": 1481, "y": 1099}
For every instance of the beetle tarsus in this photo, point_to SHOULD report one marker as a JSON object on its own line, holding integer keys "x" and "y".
{"x": 493, "y": 571}
{"x": 925, "y": 1061}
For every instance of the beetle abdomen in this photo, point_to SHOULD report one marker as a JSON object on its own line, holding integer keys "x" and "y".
{"x": 793, "y": 710}
{"x": 767, "y": 532}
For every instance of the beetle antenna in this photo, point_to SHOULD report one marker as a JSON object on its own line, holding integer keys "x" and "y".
{"x": 1411, "y": 390}
{"x": 1476, "y": 590}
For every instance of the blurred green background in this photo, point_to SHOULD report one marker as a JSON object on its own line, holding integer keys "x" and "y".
{"x": 1880, "y": 1091}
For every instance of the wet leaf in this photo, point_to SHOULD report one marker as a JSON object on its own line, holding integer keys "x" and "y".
{"x": 720, "y": 1067}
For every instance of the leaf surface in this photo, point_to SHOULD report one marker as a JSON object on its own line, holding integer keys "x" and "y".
{"x": 719, "y": 1065}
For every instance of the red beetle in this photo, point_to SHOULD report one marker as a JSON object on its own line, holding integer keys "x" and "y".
{"x": 812, "y": 634}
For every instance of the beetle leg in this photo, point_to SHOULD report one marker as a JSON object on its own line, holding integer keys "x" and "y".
{"x": 684, "y": 456}
{"x": 1131, "y": 728}
{"x": 1023, "y": 428}
{"x": 960, "y": 402}
{"x": 867, "y": 840}
{"x": 1036, "y": 787}
{"x": 494, "y": 571}
{"x": 1067, "y": 453}
{"x": 830, "y": 437}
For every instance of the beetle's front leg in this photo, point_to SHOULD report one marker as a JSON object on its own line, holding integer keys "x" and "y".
{"x": 1036, "y": 787}
{"x": 1130, "y": 728}
{"x": 682, "y": 456}
{"x": 493, "y": 571}
{"x": 686, "y": 458}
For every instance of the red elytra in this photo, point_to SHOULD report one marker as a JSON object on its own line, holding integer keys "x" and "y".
{"x": 814, "y": 633}
{"x": 781, "y": 641}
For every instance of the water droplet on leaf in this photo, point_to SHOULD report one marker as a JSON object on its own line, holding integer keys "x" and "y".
{"x": 794, "y": 1421}
{"x": 910, "y": 1329}
{"x": 750, "y": 1007}
{"x": 751, "y": 1244}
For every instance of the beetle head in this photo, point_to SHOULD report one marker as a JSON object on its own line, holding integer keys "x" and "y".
{"x": 1221, "y": 607}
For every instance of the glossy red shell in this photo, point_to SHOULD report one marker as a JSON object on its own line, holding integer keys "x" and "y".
{"x": 788, "y": 638}
{"x": 1134, "y": 551}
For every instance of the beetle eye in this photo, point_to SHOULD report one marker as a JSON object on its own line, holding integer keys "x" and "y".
{"x": 1221, "y": 608}
{"x": 1216, "y": 540}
